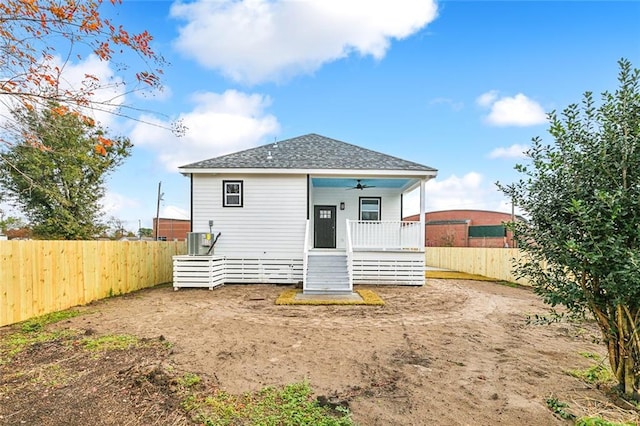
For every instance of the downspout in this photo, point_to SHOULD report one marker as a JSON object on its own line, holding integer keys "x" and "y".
{"x": 191, "y": 202}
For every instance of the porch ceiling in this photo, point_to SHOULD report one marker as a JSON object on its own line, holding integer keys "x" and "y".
{"x": 346, "y": 183}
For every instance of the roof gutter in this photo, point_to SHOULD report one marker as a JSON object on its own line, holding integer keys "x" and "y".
{"x": 427, "y": 174}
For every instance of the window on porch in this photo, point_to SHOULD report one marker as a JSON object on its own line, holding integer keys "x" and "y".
{"x": 370, "y": 208}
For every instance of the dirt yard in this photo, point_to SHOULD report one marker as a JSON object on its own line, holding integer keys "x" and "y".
{"x": 452, "y": 352}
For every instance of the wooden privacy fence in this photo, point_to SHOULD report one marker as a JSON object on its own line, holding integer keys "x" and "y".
{"x": 490, "y": 262}
{"x": 39, "y": 277}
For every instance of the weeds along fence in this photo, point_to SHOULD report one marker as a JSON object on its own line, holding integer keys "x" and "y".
{"x": 490, "y": 262}
{"x": 39, "y": 277}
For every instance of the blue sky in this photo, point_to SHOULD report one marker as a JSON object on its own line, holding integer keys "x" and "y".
{"x": 461, "y": 86}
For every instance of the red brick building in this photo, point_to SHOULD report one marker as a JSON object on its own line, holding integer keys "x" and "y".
{"x": 467, "y": 228}
{"x": 171, "y": 229}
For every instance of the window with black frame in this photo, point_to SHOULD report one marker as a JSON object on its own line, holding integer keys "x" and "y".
{"x": 232, "y": 195}
{"x": 370, "y": 208}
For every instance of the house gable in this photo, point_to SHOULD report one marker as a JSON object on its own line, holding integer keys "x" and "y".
{"x": 310, "y": 152}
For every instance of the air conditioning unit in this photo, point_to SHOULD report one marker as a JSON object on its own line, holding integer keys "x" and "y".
{"x": 199, "y": 243}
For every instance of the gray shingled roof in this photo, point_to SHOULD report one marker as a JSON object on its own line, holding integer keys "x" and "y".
{"x": 308, "y": 152}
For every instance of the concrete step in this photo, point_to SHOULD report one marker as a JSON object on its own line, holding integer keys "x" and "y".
{"x": 327, "y": 281}
{"x": 328, "y": 290}
{"x": 323, "y": 264}
{"x": 336, "y": 284}
{"x": 327, "y": 274}
{"x": 327, "y": 284}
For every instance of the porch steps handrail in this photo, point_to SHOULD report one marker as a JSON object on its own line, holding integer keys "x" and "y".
{"x": 349, "y": 256}
{"x": 305, "y": 254}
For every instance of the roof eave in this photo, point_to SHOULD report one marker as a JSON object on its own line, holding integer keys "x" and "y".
{"x": 317, "y": 172}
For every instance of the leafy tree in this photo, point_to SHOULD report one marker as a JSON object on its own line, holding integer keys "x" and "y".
{"x": 38, "y": 39}
{"x": 59, "y": 188}
{"x": 10, "y": 223}
{"x": 582, "y": 194}
{"x": 145, "y": 232}
{"x": 116, "y": 228}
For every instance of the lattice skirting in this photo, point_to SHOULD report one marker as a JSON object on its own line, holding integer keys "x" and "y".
{"x": 251, "y": 270}
{"x": 388, "y": 268}
{"x": 212, "y": 271}
{"x": 368, "y": 268}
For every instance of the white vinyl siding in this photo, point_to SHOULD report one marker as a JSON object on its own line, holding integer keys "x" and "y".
{"x": 270, "y": 224}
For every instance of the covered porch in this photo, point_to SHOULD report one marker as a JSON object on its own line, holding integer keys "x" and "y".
{"x": 356, "y": 234}
{"x": 377, "y": 253}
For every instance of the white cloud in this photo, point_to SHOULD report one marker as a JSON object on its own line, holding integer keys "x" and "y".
{"x": 108, "y": 96}
{"x": 518, "y": 110}
{"x": 219, "y": 124}
{"x": 513, "y": 151}
{"x": 113, "y": 203}
{"x": 155, "y": 94}
{"x": 454, "y": 105}
{"x": 469, "y": 192}
{"x": 454, "y": 192}
{"x": 174, "y": 212}
{"x": 486, "y": 99}
{"x": 253, "y": 41}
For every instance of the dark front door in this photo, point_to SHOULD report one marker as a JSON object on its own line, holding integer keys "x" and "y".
{"x": 324, "y": 228}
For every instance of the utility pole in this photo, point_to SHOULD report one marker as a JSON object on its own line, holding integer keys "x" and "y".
{"x": 158, "y": 209}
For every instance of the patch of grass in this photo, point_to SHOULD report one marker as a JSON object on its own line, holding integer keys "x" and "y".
{"x": 13, "y": 344}
{"x": 290, "y": 405}
{"x": 110, "y": 342}
{"x": 52, "y": 375}
{"x": 594, "y": 374}
{"x": 590, "y": 355}
{"x": 598, "y": 373}
{"x": 38, "y": 323}
{"x": 559, "y": 408}
{"x": 32, "y": 331}
{"x": 554, "y": 316}
{"x": 599, "y": 421}
{"x": 511, "y": 284}
{"x": 112, "y": 293}
{"x": 455, "y": 275}
{"x": 369, "y": 297}
{"x": 189, "y": 380}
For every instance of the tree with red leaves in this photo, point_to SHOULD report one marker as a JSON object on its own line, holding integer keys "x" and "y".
{"x": 40, "y": 39}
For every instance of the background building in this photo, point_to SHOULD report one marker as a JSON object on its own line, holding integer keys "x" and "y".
{"x": 171, "y": 229}
{"x": 467, "y": 228}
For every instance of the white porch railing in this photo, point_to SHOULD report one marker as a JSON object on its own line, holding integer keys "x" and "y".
{"x": 305, "y": 253}
{"x": 384, "y": 235}
{"x": 349, "y": 256}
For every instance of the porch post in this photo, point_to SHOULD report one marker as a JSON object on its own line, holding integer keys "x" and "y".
{"x": 422, "y": 212}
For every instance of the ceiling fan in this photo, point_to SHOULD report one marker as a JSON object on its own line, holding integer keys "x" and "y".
{"x": 361, "y": 186}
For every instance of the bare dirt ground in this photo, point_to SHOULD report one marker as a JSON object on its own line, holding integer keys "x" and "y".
{"x": 452, "y": 352}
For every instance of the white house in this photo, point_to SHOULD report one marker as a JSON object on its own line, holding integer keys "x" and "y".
{"x": 308, "y": 209}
